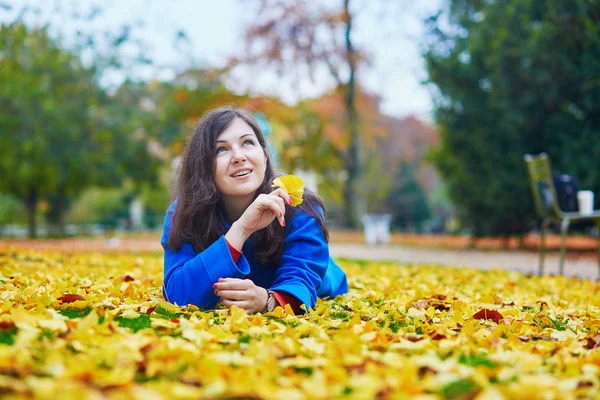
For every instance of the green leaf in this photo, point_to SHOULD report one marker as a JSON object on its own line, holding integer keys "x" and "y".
{"x": 135, "y": 324}
{"x": 458, "y": 388}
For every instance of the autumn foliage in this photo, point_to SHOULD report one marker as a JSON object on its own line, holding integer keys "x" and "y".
{"x": 83, "y": 325}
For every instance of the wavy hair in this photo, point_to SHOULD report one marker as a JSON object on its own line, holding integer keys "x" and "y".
{"x": 199, "y": 216}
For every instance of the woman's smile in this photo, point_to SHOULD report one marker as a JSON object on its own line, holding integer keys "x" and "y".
{"x": 241, "y": 173}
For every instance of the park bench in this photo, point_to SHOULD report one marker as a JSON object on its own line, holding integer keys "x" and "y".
{"x": 548, "y": 208}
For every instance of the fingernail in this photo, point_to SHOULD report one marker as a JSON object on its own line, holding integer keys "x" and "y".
{"x": 280, "y": 214}
{"x": 215, "y": 286}
{"x": 283, "y": 223}
{"x": 215, "y": 292}
{"x": 290, "y": 201}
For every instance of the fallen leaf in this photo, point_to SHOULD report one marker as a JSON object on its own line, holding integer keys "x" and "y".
{"x": 488, "y": 314}
{"x": 70, "y": 298}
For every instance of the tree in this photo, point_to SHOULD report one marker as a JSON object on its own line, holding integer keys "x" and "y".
{"x": 407, "y": 201}
{"x": 513, "y": 77}
{"x": 296, "y": 34}
{"x": 62, "y": 132}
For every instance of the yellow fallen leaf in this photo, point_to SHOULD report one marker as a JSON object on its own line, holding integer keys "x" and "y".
{"x": 293, "y": 185}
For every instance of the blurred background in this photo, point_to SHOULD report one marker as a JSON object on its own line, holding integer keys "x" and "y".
{"x": 411, "y": 115}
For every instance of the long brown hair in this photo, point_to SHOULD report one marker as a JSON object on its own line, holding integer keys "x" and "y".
{"x": 198, "y": 215}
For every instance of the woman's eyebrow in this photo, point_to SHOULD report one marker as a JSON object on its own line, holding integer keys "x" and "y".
{"x": 241, "y": 137}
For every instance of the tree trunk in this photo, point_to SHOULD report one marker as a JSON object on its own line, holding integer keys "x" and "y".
{"x": 353, "y": 190}
{"x": 31, "y": 205}
{"x": 60, "y": 212}
{"x": 521, "y": 241}
{"x": 473, "y": 243}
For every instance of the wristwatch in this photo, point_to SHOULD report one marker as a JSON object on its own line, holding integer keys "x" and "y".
{"x": 271, "y": 301}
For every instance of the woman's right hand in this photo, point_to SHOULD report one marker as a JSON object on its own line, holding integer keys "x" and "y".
{"x": 263, "y": 210}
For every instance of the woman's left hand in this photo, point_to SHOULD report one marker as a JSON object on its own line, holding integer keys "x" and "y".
{"x": 242, "y": 293}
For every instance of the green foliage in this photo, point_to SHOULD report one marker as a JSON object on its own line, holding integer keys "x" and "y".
{"x": 11, "y": 209}
{"x": 135, "y": 324}
{"x": 475, "y": 360}
{"x": 99, "y": 206}
{"x": 75, "y": 312}
{"x": 514, "y": 77}
{"x": 7, "y": 336}
{"x": 64, "y": 133}
{"x": 407, "y": 200}
{"x": 458, "y": 389}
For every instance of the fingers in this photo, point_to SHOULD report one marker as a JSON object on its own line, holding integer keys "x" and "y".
{"x": 282, "y": 194}
{"x": 244, "y": 304}
{"x": 233, "y": 284}
{"x": 281, "y": 205}
{"x": 234, "y": 294}
{"x": 233, "y": 288}
{"x": 276, "y": 206}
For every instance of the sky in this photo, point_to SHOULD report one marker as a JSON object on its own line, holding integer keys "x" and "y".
{"x": 390, "y": 31}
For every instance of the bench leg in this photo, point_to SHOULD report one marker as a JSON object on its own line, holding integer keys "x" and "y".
{"x": 598, "y": 246}
{"x": 545, "y": 223}
{"x": 564, "y": 229}
{"x": 598, "y": 251}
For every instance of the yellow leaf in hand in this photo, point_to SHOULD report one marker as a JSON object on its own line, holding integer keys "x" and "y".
{"x": 293, "y": 185}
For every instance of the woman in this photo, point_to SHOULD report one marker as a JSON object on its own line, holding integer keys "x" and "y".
{"x": 229, "y": 236}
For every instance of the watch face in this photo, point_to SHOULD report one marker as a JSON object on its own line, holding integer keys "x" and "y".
{"x": 271, "y": 303}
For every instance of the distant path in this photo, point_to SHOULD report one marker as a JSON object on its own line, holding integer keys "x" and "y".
{"x": 524, "y": 261}
{"x": 528, "y": 262}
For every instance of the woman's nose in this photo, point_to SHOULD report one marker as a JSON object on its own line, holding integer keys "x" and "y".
{"x": 238, "y": 155}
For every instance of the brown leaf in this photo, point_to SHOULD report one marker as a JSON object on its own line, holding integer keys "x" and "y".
{"x": 128, "y": 278}
{"x": 413, "y": 337}
{"x": 151, "y": 310}
{"x": 437, "y": 336}
{"x": 147, "y": 347}
{"x": 358, "y": 368}
{"x": 488, "y": 314}
{"x": 141, "y": 366}
{"x": 440, "y": 306}
{"x": 421, "y": 304}
{"x": 584, "y": 384}
{"x": 542, "y": 304}
{"x": 592, "y": 342}
{"x": 70, "y": 298}
{"x": 7, "y": 325}
{"x": 424, "y": 370}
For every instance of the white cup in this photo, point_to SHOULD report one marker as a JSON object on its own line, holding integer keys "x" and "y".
{"x": 585, "y": 199}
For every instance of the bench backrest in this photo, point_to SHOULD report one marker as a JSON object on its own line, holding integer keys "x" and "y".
{"x": 542, "y": 185}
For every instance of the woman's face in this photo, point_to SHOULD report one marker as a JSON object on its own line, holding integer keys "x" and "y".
{"x": 240, "y": 161}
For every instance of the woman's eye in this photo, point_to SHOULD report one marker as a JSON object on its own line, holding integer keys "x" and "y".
{"x": 220, "y": 150}
{"x": 248, "y": 141}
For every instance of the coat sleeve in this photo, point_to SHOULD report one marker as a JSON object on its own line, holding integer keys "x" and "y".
{"x": 304, "y": 260}
{"x": 189, "y": 276}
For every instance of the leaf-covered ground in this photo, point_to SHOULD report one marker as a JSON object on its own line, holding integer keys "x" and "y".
{"x": 95, "y": 326}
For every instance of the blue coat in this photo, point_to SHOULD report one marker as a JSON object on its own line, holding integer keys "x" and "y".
{"x": 306, "y": 271}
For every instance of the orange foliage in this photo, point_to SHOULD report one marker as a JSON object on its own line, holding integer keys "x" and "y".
{"x": 331, "y": 110}
{"x": 181, "y": 96}
{"x": 580, "y": 245}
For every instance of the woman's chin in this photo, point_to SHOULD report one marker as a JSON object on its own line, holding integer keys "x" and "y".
{"x": 240, "y": 189}
{"x": 244, "y": 191}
